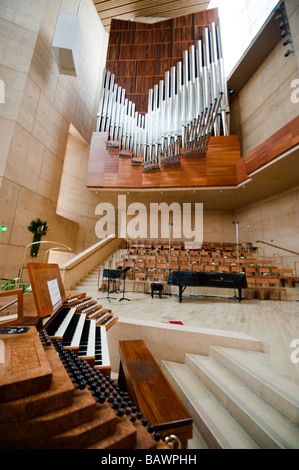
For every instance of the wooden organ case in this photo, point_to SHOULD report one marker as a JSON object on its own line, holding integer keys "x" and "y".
{"x": 76, "y": 320}
{"x": 51, "y": 395}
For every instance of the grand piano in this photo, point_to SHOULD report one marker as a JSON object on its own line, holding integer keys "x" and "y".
{"x": 183, "y": 279}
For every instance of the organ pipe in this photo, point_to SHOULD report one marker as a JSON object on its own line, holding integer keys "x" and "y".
{"x": 184, "y": 109}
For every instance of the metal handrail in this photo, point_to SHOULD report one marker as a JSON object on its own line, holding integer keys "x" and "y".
{"x": 25, "y": 252}
{"x": 279, "y": 247}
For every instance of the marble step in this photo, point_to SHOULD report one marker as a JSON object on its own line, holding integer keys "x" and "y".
{"x": 219, "y": 430}
{"x": 267, "y": 426}
{"x": 277, "y": 390}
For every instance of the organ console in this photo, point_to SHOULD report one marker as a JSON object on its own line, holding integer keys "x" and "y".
{"x": 184, "y": 109}
{"x": 52, "y": 399}
{"x": 74, "y": 319}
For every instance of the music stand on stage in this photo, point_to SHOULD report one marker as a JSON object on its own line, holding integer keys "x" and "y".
{"x": 124, "y": 271}
{"x": 111, "y": 274}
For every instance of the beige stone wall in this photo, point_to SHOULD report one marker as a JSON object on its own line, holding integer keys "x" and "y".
{"x": 292, "y": 9}
{"x": 264, "y": 106}
{"x": 40, "y": 105}
{"x": 75, "y": 201}
{"x": 275, "y": 221}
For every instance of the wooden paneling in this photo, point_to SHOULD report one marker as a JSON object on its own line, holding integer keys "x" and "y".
{"x": 107, "y": 170}
{"x": 109, "y": 9}
{"x": 280, "y": 142}
{"x": 139, "y": 54}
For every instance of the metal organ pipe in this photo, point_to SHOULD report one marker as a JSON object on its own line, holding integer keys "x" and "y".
{"x": 184, "y": 109}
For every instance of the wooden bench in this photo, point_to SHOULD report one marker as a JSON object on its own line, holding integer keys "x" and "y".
{"x": 151, "y": 393}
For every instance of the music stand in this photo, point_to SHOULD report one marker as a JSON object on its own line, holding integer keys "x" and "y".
{"x": 111, "y": 274}
{"x": 124, "y": 271}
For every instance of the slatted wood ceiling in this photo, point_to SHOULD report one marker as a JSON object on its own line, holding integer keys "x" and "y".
{"x": 132, "y": 10}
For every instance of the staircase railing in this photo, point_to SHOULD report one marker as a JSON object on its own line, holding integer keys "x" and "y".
{"x": 79, "y": 266}
{"x": 284, "y": 259}
{"x": 279, "y": 247}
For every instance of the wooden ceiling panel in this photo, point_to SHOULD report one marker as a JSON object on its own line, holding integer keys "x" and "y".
{"x": 132, "y": 10}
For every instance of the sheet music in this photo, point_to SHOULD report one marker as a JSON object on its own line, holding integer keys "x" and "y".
{"x": 54, "y": 291}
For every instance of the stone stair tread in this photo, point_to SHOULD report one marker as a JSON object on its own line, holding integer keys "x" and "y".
{"x": 273, "y": 428}
{"x": 271, "y": 385}
{"x": 223, "y": 429}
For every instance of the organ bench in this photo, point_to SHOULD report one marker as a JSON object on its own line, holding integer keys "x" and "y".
{"x": 150, "y": 391}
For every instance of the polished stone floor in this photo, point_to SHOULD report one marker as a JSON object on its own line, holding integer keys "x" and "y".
{"x": 275, "y": 322}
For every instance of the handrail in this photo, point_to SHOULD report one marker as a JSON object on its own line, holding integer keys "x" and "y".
{"x": 21, "y": 269}
{"x": 81, "y": 264}
{"x": 279, "y": 247}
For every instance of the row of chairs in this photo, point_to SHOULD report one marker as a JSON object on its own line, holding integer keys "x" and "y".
{"x": 264, "y": 286}
{"x": 181, "y": 245}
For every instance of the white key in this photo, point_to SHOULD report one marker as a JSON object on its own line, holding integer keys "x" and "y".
{"x": 91, "y": 339}
{"x": 93, "y": 314}
{"x": 63, "y": 326}
{"x": 104, "y": 347}
{"x": 78, "y": 332}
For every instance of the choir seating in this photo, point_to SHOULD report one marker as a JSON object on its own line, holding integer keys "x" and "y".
{"x": 218, "y": 257}
{"x": 139, "y": 280}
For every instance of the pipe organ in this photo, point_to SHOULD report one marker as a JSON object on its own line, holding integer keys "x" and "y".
{"x": 184, "y": 109}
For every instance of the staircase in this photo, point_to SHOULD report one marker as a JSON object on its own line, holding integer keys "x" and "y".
{"x": 237, "y": 402}
{"x": 89, "y": 282}
{"x": 93, "y": 280}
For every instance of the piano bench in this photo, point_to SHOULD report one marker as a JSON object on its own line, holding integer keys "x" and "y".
{"x": 156, "y": 287}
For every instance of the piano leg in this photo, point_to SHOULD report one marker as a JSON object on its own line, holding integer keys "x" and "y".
{"x": 240, "y": 294}
{"x": 180, "y": 293}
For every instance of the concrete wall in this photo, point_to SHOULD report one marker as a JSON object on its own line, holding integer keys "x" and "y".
{"x": 40, "y": 104}
{"x": 264, "y": 106}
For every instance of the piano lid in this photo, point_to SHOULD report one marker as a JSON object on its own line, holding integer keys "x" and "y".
{"x": 207, "y": 279}
{"x": 47, "y": 287}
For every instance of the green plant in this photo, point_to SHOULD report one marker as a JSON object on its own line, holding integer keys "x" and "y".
{"x": 38, "y": 228}
{"x": 11, "y": 284}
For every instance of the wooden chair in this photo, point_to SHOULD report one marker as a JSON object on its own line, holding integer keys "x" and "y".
{"x": 250, "y": 271}
{"x": 236, "y": 269}
{"x": 160, "y": 259}
{"x": 197, "y": 267}
{"x": 287, "y": 275}
{"x": 140, "y": 266}
{"x": 139, "y": 281}
{"x": 264, "y": 271}
{"x": 223, "y": 269}
{"x": 261, "y": 286}
{"x": 209, "y": 267}
{"x": 150, "y": 268}
{"x": 130, "y": 264}
{"x": 274, "y": 286}
{"x": 185, "y": 267}
{"x": 174, "y": 266}
{"x": 159, "y": 277}
{"x": 161, "y": 268}
{"x": 218, "y": 260}
{"x": 251, "y": 286}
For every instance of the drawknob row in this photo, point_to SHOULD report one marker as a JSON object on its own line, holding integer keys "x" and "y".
{"x": 103, "y": 388}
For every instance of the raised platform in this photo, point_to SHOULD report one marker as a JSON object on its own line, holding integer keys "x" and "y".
{"x": 107, "y": 170}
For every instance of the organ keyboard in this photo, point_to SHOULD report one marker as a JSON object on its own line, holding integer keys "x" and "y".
{"x": 76, "y": 320}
